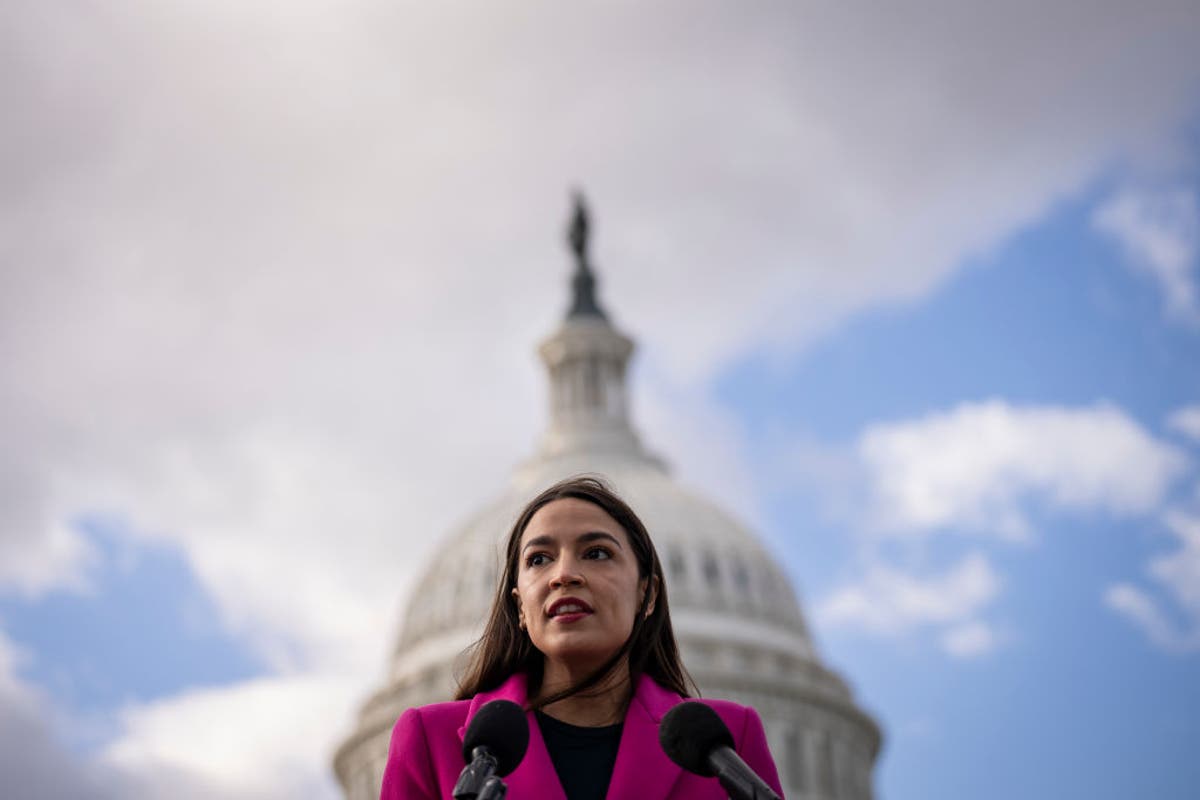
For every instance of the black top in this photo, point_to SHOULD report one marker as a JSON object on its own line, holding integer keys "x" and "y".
{"x": 582, "y": 757}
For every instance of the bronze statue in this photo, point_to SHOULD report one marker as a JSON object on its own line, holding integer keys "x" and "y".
{"x": 577, "y": 234}
{"x": 583, "y": 301}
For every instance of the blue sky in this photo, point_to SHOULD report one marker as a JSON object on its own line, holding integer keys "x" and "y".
{"x": 1076, "y": 702}
{"x": 915, "y": 293}
{"x": 145, "y": 628}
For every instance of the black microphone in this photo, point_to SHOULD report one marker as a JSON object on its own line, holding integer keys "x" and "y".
{"x": 494, "y": 745}
{"x": 695, "y": 738}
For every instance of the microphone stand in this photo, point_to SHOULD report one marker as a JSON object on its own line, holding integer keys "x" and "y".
{"x": 478, "y": 780}
{"x": 493, "y": 789}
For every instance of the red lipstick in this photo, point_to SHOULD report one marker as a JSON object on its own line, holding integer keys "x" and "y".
{"x": 568, "y": 609}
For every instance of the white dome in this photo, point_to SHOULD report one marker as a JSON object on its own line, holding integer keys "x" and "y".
{"x": 719, "y": 577}
{"x": 740, "y": 629}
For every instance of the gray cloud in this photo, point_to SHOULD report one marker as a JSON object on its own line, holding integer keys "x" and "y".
{"x": 33, "y": 762}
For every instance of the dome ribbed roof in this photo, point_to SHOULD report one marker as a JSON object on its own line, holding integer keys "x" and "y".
{"x": 713, "y": 565}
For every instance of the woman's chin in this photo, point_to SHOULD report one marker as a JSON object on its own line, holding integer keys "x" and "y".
{"x": 578, "y": 658}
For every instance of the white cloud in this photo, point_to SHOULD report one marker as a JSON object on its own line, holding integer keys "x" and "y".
{"x": 12, "y": 657}
{"x": 973, "y": 468}
{"x": 48, "y": 554}
{"x": 1160, "y": 234}
{"x": 1186, "y": 421}
{"x": 969, "y": 640}
{"x": 892, "y": 602}
{"x": 1137, "y": 606}
{"x": 1180, "y": 571}
{"x": 1177, "y": 575}
{"x": 977, "y": 468}
{"x": 262, "y": 739}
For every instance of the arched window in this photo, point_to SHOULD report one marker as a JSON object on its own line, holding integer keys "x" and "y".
{"x": 741, "y": 578}
{"x": 825, "y": 783}
{"x": 677, "y": 565}
{"x": 793, "y": 748}
{"x": 712, "y": 572}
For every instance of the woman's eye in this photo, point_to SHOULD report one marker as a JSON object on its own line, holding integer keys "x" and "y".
{"x": 537, "y": 560}
{"x": 598, "y": 554}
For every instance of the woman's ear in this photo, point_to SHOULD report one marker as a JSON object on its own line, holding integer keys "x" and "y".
{"x": 651, "y": 585}
{"x": 520, "y": 609}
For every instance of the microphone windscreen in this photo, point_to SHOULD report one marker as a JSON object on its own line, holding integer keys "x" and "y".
{"x": 689, "y": 732}
{"x": 502, "y": 728}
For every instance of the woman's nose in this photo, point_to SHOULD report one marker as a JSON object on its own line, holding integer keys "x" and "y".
{"x": 566, "y": 574}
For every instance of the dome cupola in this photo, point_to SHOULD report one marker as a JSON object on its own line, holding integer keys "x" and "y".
{"x": 587, "y": 360}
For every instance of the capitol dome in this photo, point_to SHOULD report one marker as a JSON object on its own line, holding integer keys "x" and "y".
{"x": 741, "y": 632}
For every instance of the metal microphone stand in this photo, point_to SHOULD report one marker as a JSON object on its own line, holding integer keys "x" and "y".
{"x": 493, "y": 789}
{"x": 478, "y": 780}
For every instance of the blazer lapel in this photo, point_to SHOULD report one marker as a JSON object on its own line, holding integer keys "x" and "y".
{"x": 534, "y": 777}
{"x": 643, "y": 770}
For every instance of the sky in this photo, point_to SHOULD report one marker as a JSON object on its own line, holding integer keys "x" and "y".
{"x": 915, "y": 293}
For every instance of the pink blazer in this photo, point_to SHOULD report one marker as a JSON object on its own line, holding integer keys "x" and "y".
{"x": 425, "y": 756}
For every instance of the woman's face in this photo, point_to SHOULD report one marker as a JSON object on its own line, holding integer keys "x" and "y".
{"x": 578, "y": 588}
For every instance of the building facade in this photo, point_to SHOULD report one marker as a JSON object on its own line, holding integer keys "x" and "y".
{"x": 740, "y": 629}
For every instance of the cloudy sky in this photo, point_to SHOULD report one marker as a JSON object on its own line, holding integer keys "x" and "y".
{"x": 916, "y": 295}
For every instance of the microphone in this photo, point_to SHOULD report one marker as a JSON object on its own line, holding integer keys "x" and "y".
{"x": 695, "y": 738}
{"x": 493, "y": 746}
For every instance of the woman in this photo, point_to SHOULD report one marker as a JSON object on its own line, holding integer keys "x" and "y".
{"x": 580, "y": 635}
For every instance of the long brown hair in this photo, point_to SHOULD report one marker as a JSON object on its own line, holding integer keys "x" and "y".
{"x": 504, "y": 648}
